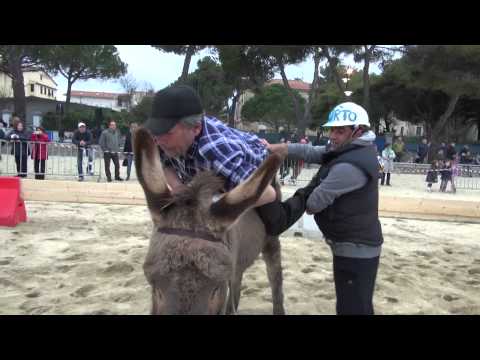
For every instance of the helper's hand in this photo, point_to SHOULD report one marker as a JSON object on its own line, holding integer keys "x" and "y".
{"x": 281, "y": 149}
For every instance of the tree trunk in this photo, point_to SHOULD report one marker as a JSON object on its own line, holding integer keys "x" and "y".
{"x": 442, "y": 121}
{"x": 186, "y": 62}
{"x": 478, "y": 129}
{"x": 333, "y": 68}
{"x": 298, "y": 114}
{"x": 68, "y": 96}
{"x": 18, "y": 89}
{"x": 307, "y": 116}
{"x": 366, "y": 78}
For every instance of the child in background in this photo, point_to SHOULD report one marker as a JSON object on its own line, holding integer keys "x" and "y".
{"x": 432, "y": 176}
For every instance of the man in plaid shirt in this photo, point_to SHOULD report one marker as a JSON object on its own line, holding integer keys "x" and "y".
{"x": 190, "y": 142}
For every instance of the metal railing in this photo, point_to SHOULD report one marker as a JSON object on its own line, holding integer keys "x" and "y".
{"x": 52, "y": 160}
{"x": 297, "y": 172}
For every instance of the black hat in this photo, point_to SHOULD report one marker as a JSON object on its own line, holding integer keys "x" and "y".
{"x": 170, "y": 105}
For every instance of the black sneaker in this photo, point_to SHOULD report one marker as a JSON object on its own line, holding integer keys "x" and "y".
{"x": 109, "y": 180}
{"x": 80, "y": 179}
{"x": 118, "y": 179}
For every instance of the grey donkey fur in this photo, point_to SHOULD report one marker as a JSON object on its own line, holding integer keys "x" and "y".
{"x": 188, "y": 272}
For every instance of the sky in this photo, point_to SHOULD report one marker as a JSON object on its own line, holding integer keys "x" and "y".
{"x": 149, "y": 65}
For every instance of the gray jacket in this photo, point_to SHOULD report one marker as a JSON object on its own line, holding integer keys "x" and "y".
{"x": 342, "y": 178}
{"x": 110, "y": 140}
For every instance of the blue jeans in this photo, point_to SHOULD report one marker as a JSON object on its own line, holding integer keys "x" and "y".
{"x": 89, "y": 154}
{"x": 129, "y": 164}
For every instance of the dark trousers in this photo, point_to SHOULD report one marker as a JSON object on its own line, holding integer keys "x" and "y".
{"x": 355, "y": 284}
{"x": 21, "y": 162}
{"x": 114, "y": 157}
{"x": 39, "y": 166}
{"x": 383, "y": 179}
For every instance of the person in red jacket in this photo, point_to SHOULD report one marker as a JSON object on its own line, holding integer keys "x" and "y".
{"x": 39, "y": 151}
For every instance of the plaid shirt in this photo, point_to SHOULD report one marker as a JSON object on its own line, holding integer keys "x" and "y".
{"x": 232, "y": 153}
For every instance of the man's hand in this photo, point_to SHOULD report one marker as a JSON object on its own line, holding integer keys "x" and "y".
{"x": 82, "y": 143}
{"x": 281, "y": 149}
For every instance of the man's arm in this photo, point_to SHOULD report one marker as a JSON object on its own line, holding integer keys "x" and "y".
{"x": 342, "y": 178}
{"x": 101, "y": 141}
{"x": 307, "y": 152}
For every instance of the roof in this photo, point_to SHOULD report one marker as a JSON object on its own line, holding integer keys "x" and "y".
{"x": 43, "y": 72}
{"x": 294, "y": 84}
{"x": 95, "y": 94}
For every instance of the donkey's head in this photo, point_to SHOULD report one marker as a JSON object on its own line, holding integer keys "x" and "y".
{"x": 189, "y": 261}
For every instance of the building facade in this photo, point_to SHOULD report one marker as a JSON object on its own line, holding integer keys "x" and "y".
{"x": 37, "y": 83}
{"x": 109, "y": 100}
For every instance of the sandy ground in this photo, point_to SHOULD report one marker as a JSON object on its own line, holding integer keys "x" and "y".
{"x": 87, "y": 259}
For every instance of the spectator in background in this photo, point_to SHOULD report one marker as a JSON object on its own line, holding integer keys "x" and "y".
{"x": 398, "y": 148}
{"x": 465, "y": 155}
{"x": 110, "y": 143}
{"x": 388, "y": 156}
{"x": 422, "y": 152}
{"x": 2, "y": 136}
{"x": 450, "y": 152}
{"x": 432, "y": 175}
{"x": 83, "y": 139}
{"x": 39, "y": 151}
{"x": 317, "y": 139}
{"x": 128, "y": 149}
{"x": 446, "y": 175}
{"x": 19, "y": 136}
{"x": 2, "y": 130}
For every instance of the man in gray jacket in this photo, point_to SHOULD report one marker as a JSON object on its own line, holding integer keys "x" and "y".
{"x": 343, "y": 196}
{"x": 110, "y": 143}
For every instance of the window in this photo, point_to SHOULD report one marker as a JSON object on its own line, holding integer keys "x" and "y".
{"x": 37, "y": 120}
{"x": 41, "y": 77}
{"x": 419, "y": 131}
{"x": 401, "y": 131}
{"x": 32, "y": 88}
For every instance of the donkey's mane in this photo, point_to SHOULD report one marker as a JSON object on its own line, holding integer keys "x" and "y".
{"x": 204, "y": 184}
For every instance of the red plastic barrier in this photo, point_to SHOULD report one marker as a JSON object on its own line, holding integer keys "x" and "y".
{"x": 12, "y": 206}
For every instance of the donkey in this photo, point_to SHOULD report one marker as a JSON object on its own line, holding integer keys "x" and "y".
{"x": 203, "y": 241}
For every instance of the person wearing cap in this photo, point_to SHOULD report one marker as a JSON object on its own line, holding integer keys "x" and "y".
{"x": 190, "y": 141}
{"x": 39, "y": 151}
{"x": 110, "y": 143}
{"x": 343, "y": 197}
{"x": 83, "y": 139}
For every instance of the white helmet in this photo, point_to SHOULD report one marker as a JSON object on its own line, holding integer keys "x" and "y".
{"x": 347, "y": 114}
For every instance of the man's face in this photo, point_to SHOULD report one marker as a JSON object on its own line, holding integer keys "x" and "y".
{"x": 82, "y": 129}
{"x": 112, "y": 125}
{"x": 133, "y": 127}
{"x": 178, "y": 140}
{"x": 424, "y": 141}
{"x": 339, "y": 135}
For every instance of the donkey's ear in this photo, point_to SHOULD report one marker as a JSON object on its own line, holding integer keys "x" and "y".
{"x": 149, "y": 169}
{"x": 246, "y": 194}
